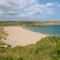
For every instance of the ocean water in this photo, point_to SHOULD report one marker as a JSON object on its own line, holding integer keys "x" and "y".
{"x": 50, "y": 30}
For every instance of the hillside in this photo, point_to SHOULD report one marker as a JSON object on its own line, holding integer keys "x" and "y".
{"x": 46, "y": 49}
{"x": 29, "y": 23}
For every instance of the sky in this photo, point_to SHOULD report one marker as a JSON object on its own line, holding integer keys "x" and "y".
{"x": 29, "y": 10}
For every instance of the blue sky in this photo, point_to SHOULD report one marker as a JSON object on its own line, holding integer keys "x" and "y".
{"x": 29, "y": 10}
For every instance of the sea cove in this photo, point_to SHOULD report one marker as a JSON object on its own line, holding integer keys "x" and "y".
{"x": 53, "y": 30}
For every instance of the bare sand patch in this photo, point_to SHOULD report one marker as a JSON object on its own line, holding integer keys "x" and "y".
{"x": 20, "y": 36}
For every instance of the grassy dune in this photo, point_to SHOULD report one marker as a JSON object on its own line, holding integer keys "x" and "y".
{"x": 46, "y": 49}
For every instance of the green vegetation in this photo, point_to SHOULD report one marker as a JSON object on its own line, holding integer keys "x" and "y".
{"x": 16, "y": 23}
{"x": 29, "y": 23}
{"x": 3, "y": 35}
{"x": 46, "y": 49}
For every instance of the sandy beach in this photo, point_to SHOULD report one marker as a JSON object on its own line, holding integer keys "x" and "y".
{"x": 20, "y": 36}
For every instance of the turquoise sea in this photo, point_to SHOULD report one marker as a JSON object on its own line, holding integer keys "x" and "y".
{"x": 50, "y": 30}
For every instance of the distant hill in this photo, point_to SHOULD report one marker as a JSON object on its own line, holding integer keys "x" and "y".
{"x": 29, "y": 23}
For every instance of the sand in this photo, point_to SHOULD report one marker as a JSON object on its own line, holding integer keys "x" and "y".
{"x": 19, "y": 36}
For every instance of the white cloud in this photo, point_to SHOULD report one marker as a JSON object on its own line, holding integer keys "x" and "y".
{"x": 24, "y": 8}
{"x": 49, "y": 4}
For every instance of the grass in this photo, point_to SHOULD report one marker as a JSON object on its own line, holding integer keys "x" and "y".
{"x": 16, "y": 23}
{"x": 46, "y": 49}
{"x": 3, "y": 35}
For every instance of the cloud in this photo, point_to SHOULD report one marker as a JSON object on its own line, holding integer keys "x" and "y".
{"x": 49, "y": 4}
{"x": 24, "y": 8}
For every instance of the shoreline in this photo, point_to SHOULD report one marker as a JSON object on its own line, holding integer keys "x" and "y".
{"x": 18, "y": 36}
